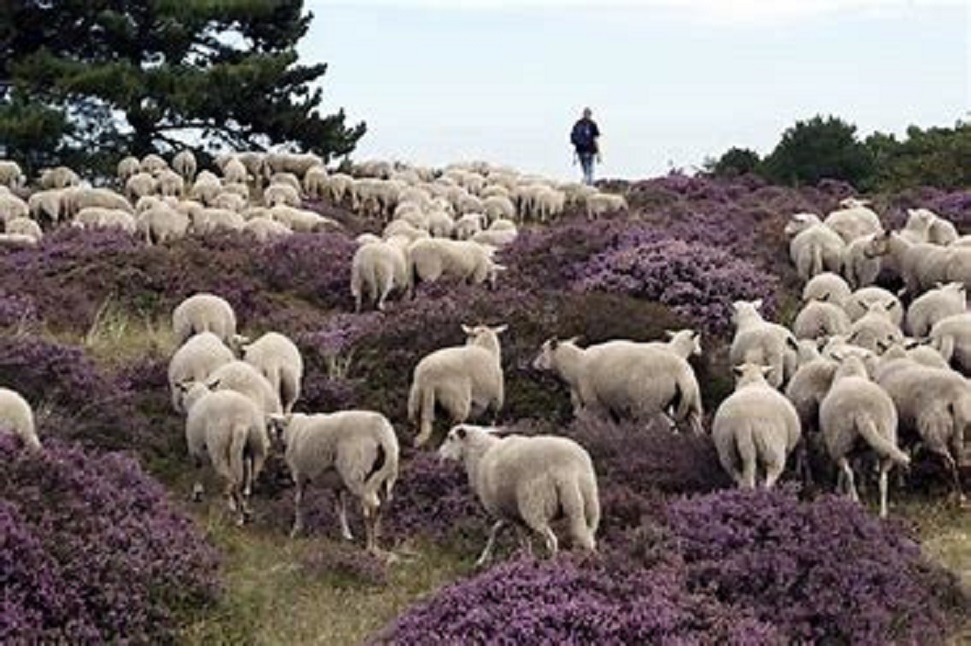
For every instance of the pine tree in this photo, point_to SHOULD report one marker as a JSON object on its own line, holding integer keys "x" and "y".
{"x": 84, "y": 82}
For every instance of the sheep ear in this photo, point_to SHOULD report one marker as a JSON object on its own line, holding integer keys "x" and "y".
{"x": 765, "y": 370}
{"x": 184, "y": 386}
{"x": 882, "y": 346}
{"x": 499, "y": 268}
{"x": 695, "y": 334}
{"x": 903, "y": 291}
{"x": 574, "y": 339}
{"x": 910, "y": 344}
{"x": 669, "y": 334}
{"x": 737, "y": 370}
{"x": 466, "y": 329}
{"x": 212, "y": 385}
{"x": 889, "y": 305}
{"x": 824, "y": 297}
{"x": 460, "y": 432}
{"x": 500, "y": 329}
{"x": 757, "y": 304}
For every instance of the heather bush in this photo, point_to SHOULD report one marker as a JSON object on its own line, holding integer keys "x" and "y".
{"x": 569, "y": 600}
{"x": 695, "y": 280}
{"x": 93, "y": 551}
{"x": 823, "y": 571}
{"x": 345, "y": 564}
{"x": 313, "y": 266}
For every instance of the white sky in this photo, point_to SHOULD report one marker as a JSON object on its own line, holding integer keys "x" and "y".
{"x": 670, "y": 81}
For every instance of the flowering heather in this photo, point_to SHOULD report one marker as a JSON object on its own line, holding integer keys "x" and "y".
{"x": 93, "y": 551}
{"x": 345, "y": 563}
{"x": 313, "y": 266}
{"x": 573, "y": 601}
{"x": 823, "y": 571}
{"x": 16, "y": 309}
{"x": 693, "y": 279}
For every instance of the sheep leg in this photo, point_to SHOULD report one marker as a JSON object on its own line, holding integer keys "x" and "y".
{"x": 297, "y": 509}
{"x": 342, "y": 516}
{"x": 885, "y": 466}
{"x": 952, "y": 469}
{"x": 552, "y": 544}
{"x": 490, "y": 543}
{"x": 847, "y": 472}
{"x": 772, "y": 473}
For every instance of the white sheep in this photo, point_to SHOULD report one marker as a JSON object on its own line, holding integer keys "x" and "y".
{"x": 432, "y": 258}
{"x": 860, "y": 302}
{"x": 755, "y": 426}
{"x": 918, "y": 226}
{"x": 854, "y": 221}
{"x": 951, "y": 336}
{"x": 814, "y": 247}
{"x": 598, "y": 204}
{"x": 934, "y": 305}
{"x": 58, "y": 177}
{"x": 464, "y": 381}
{"x": 265, "y": 229}
{"x": 529, "y": 480}
{"x": 876, "y": 329}
{"x": 24, "y": 226}
{"x": 204, "y": 312}
{"x": 861, "y": 266}
{"x": 184, "y": 163}
{"x": 920, "y": 265}
{"x": 468, "y": 225}
{"x": 229, "y": 430}
{"x": 819, "y": 319}
{"x": 625, "y": 378}
{"x": 169, "y": 183}
{"x": 247, "y": 380}
{"x": 302, "y": 220}
{"x": 806, "y": 390}
{"x": 281, "y": 194}
{"x": 827, "y": 286}
{"x": 153, "y": 164}
{"x": 139, "y": 185}
{"x": 162, "y": 223}
{"x": 359, "y": 445}
{"x": 12, "y": 206}
{"x": 127, "y": 167}
{"x": 857, "y": 409}
{"x": 194, "y": 361}
{"x": 315, "y": 182}
{"x": 379, "y": 268}
{"x": 11, "y": 174}
{"x": 762, "y": 342}
{"x": 47, "y": 205}
{"x": 278, "y": 359}
{"x": 17, "y": 417}
{"x": 76, "y": 198}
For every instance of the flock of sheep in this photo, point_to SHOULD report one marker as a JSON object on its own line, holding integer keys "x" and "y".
{"x": 844, "y": 378}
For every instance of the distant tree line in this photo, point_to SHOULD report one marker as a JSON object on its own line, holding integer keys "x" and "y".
{"x": 829, "y": 147}
{"x": 84, "y": 82}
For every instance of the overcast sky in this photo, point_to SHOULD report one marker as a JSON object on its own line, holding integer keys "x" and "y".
{"x": 670, "y": 82}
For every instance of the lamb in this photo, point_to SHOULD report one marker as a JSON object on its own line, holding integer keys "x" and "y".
{"x": 431, "y": 258}
{"x": 265, "y": 229}
{"x": 857, "y": 409}
{"x": 302, "y": 220}
{"x": 932, "y": 306}
{"x": 204, "y": 312}
{"x": 281, "y": 194}
{"x": 683, "y": 343}
{"x": 169, "y": 183}
{"x": 827, "y": 286}
{"x": 756, "y": 425}
{"x": 864, "y": 298}
{"x": 528, "y": 480}
{"x": 17, "y": 417}
{"x": 161, "y": 223}
{"x": 359, "y": 445}
{"x": 598, "y": 204}
{"x": 464, "y": 381}
{"x": 315, "y": 182}
{"x": 380, "y": 267}
{"x": 951, "y": 336}
{"x": 47, "y": 205}
{"x": 861, "y": 265}
{"x": 278, "y": 359}
{"x": 11, "y": 174}
{"x": 468, "y": 225}
{"x": 814, "y": 247}
{"x": 247, "y": 380}
{"x": 127, "y": 167}
{"x": 24, "y": 226}
{"x": 195, "y": 361}
{"x": 153, "y": 164}
{"x": 820, "y": 319}
{"x": 12, "y": 206}
{"x": 229, "y": 430}
{"x": 184, "y": 163}
{"x": 621, "y": 378}
{"x": 58, "y": 177}
{"x": 139, "y": 185}
{"x": 934, "y": 408}
{"x": 806, "y": 390}
{"x": 762, "y": 342}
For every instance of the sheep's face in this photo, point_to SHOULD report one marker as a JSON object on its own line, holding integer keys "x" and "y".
{"x": 453, "y": 448}
{"x": 748, "y": 373}
{"x": 276, "y": 427}
{"x": 799, "y": 222}
{"x": 544, "y": 360}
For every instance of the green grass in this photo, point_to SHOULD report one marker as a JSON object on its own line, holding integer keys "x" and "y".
{"x": 273, "y": 597}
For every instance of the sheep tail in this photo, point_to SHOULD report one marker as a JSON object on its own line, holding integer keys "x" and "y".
{"x": 572, "y": 502}
{"x": 882, "y": 445}
{"x": 414, "y": 401}
{"x": 384, "y": 471}
{"x": 816, "y": 266}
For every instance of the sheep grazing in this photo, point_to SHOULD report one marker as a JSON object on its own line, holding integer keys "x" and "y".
{"x": 433, "y": 258}
{"x": 195, "y": 360}
{"x": 819, "y": 319}
{"x": 184, "y": 163}
{"x": 860, "y": 302}
{"x": 229, "y": 430}
{"x": 762, "y": 342}
{"x": 814, "y": 247}
{"x": 17, "y": 417}
{"x": 624, "y": 378}
{"x": 379, "y": 267}
{"x": 857, "y": 409}
{"x": 464, "y": 381}
{"x": 528, "y": 480}
{"x": 359, "y": 445}
{"x": 247, "y": 380}
{"x": 755, "y": 426}
{"x": 204, "y": 312}
{"x": 853, "y": 221}
{"x": 278, "y": 359}
{"x": 876, "y": 329}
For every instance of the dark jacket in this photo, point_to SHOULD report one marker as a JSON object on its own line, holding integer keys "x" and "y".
{"x": 584, "y": 135}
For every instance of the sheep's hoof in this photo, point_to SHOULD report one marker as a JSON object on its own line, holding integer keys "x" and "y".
{"x": 419, "y": 441}
{"x": 296, "y": 531}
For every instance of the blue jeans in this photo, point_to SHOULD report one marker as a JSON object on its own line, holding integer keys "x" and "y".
{"x": 586, "y": 163}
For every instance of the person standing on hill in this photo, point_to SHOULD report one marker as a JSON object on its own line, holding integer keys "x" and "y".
{"x": 584, "y": 139}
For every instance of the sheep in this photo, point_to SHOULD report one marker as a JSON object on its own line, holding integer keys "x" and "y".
{"x": 827, "y": 286}
{"x": 24, "y": 226}
{"x": 234, "y": 171}
{"x": 161, "y": 223}
{"x": 464, "y": 381}
{"x": 169, "y": 183}
{"x": 598, "y": 204}
{"x": 919, "y": 265}
{"x": 281, "y": 194}
{"x": 496, "y": 237}
{"x": 195, "y": 360}
{"x": 302, "y": 220}
{"x": 806, "y": 390}
{"x": 17, "y": 240}
{"x": 247, "y": 380}
{"x": 619, "y": 378}
{"x": 756, "y": 425}
{"x": 918, "y": 226}
{"x": 934, "y": 409}
{"x": 127, "y": 167}
{"x": 204, "y": 312}
{"x": 468, "y": 225}
{"x": 498, "y": 206}
{"x": 814, "y": 247}
{"x": 853, "y": 221}
{"x": 210, "y": 220}
{"x": 278, "y": 359}
{"x": 228, "y": 201}
{"x": 440, "y": 224}
{"x": 206, "y": 188}
{"x": 378, "y": 268}
{"x": 528, "y": 480}
{"x": 296, "y": 163}
{"x": 820, "y": 319}
{"x": 265, "y": 229}
{"x": 875, "y": 328}
{"x": 47, "y": 205}
{"x": 431, "y": 258}
{"x": 856, "y": 409}
{"x": 860, "y": 265}
{"x": 337, "y": 187}
{"x": 359, "y": 445}
{"x": 17, "y": 417}
{"x": 153, "y": 164}
{"x": 76, "y": 198}
{"x": 97, "y": 217}
{"x": 12, "y": 206}
{"x": 951, "y": 336}
{"x": 11, "y": 174}
{"x": 759, "y": 341}
{"x": 315, "y": 182}
{"x": 229, "y": 430}
{"x": 58, "y": 177}
{"x": 184, "y": 163}
{"x": 932, "y": 306}
{"x": 139, "y": 185}
{"x": 860, "y": 301}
